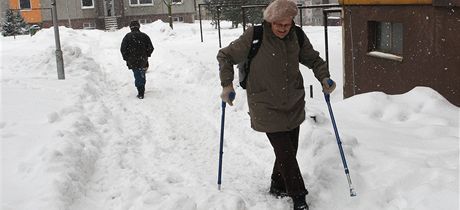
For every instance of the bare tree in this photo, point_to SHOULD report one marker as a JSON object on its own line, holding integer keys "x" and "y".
{"x": 169, "y": 4}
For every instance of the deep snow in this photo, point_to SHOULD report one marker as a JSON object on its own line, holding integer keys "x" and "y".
{"x": 87, "y": 143}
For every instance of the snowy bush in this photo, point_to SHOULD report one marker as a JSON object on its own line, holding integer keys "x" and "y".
{"x": 14, "y": 24}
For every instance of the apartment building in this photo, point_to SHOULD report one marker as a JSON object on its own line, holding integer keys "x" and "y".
{"x": 29, "y": 9}
{"x": 103, "y": 14}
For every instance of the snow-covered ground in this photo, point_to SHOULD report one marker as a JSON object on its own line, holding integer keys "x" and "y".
{"x": 87, "y": 143}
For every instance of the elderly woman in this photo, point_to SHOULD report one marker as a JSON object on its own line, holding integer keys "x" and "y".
{"x": 275, "y": 90}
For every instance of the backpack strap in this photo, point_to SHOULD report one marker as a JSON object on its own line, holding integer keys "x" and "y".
{"x": 256, "y": 41}
{"x": 255, "y": 45}
{"x": 300, "y": 35}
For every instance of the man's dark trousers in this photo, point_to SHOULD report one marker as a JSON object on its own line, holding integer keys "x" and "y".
{"x": 139, "y": 80}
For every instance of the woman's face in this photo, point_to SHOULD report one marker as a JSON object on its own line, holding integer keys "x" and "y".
{"x": 281, "y": 27}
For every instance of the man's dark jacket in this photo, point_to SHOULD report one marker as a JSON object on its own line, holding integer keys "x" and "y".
{"x": 136, "y": 48}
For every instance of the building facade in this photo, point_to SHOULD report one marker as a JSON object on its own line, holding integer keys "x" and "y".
{"x": 395, "y": 45}
{"x": 29, "y": 9}
{"x": 314, "y": 17}
{"x": 3, "y": 5}
{"x": 106, "y": 14}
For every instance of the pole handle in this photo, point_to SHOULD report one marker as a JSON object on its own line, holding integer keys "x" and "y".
{"x": 231, "y": 96}
{"x": 327, "y": 96}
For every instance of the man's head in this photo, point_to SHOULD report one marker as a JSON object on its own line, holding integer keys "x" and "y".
{"x": 280, "y": 14}
{"x": 134, "y": 25}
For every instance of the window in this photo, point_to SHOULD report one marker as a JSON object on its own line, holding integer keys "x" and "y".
{"x": 176, "y": 1}
{"x": 178, "y": 19}
{"x": 89, "y": 25}
{"x": 143, "y": 21}
{"x": 24, "y": 4}
{"x": 386, "y": 37}
{"x": 87, "y": 4}
{"x": 140, "y": 2}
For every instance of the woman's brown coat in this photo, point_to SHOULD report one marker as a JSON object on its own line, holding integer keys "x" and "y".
{"x": 275, "y": 90}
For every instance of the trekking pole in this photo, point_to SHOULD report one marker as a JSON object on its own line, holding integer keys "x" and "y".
{"x": 339, "y": 143}
{"x": 221, "y": 148}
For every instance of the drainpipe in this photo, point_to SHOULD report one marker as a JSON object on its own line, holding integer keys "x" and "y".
{"x": 68, "y": 13}
{"x": 112, "y": 3}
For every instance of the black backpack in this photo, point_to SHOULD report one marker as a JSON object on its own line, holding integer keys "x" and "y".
{"x": 257, "y": 37}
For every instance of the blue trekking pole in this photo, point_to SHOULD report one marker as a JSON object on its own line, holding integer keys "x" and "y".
{"x": 339, "y": 143}
{"x": 221, "y": 150}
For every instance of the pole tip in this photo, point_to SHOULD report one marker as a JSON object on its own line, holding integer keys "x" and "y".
{"x": 352, "y": 192}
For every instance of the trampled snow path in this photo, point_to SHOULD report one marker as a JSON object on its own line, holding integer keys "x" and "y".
{"x": 137, "y": 166}
{"x": 132, "y": 164}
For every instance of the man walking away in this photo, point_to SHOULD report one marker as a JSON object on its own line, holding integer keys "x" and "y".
{"x": 136, "y": 48}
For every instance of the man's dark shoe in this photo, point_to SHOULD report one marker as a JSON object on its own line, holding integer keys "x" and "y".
{"x": 299, "y": 202}
{"x": 140, "y": 92}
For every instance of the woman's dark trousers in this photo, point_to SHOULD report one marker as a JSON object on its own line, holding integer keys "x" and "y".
{"x": 286, "y": 177}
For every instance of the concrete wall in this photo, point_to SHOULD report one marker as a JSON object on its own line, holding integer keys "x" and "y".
{"x": 70, "y": 9}
{"x": 4, "y": 5}
{"x": 157, "y": 8}
{"x": 315, "y": 16}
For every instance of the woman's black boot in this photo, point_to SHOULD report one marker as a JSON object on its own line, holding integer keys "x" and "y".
{"x": 299, "y": 202}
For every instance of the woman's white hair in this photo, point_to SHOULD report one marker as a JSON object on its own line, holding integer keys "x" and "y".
{"x": 280, "y": 9}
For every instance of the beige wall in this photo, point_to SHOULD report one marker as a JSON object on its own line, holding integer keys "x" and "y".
{"x": 71, "y": 12}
